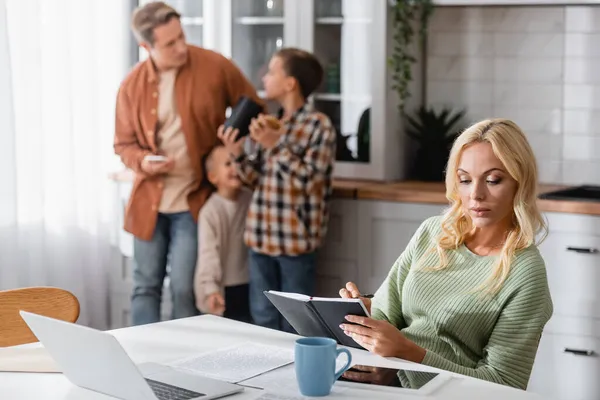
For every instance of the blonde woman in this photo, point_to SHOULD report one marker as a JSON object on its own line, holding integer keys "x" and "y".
{"x": 470, "y": 293}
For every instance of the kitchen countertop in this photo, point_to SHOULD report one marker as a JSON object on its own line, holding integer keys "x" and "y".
{"x": 420, "y": 192}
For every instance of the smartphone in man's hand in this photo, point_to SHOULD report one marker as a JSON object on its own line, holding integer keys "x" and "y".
{"x": 155, "y": 158}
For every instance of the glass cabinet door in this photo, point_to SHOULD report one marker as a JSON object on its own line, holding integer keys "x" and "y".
{"x": 192, "y": 20}
{"x": 257, "y": 33}
{"x": 343, "y": 43}
{"x": 192, "y": 13}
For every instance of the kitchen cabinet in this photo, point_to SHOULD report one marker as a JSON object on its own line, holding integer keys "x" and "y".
{"x": 352, "y": 39}
{"x": 567, "y": 365}
{"x": 385, "y": 230}
{"x": 365, "y": 238}
{"x": 338, "y": 258}
{"x": 250, "y": 31}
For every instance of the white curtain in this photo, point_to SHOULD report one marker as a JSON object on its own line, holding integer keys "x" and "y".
{"x": 61, "y": 62}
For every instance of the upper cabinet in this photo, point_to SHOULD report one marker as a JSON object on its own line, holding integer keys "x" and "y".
{"x": 192, "y": 19}
{"x": 257, "y": 31}
{"x": 350, "y": 39}
{"x": 250, "y": 31}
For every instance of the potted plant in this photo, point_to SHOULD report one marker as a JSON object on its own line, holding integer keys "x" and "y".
{"x": 405, "y": 15}
{"x": 434, "y": 133}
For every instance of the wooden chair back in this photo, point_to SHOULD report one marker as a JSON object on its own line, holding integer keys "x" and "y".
{"x": 48, "y": 301}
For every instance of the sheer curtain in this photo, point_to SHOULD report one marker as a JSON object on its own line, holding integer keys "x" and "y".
{"x": 61, "y": 62}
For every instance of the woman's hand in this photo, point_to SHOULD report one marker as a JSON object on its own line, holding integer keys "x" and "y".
{"x": 352, "y": 292}
{"x": 369, "y": 374}
{"x": 229, "y": 138}
{"x": 382, "y": 338}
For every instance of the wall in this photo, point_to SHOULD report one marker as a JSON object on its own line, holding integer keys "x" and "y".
{"x": 539, "y": 66}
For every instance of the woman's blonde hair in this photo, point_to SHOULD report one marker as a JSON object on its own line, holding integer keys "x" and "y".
{"x": 510, "y": 145}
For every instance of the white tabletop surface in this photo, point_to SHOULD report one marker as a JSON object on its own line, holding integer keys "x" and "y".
{"x": 166, "y": 342}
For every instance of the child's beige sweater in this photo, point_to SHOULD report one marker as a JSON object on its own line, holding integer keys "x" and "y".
{"x": 222, "y": 254}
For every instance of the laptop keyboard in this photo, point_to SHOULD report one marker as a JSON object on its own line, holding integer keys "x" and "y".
{"x": 169, "y": 392}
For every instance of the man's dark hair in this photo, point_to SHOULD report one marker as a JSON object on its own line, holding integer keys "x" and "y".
{"x": 304, "y": 67}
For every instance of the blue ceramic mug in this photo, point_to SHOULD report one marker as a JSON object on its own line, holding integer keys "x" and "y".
{"x": 315, "y": 365}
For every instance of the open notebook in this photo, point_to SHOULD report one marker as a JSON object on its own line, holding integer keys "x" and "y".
{"x": 318, "y": 316}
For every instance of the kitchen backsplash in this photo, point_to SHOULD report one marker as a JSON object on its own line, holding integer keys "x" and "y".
{"x": 539, "y": 66}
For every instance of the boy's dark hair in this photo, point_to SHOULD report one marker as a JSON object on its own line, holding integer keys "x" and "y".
{"x": 304, "y": 67}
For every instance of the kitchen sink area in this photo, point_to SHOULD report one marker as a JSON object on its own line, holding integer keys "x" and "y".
{"x": 589, "y": 193}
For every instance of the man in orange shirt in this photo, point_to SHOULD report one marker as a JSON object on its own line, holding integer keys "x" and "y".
{"x": 171, "y": 106}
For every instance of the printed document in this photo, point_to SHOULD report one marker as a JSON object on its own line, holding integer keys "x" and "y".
{"x": 237, "y": 363}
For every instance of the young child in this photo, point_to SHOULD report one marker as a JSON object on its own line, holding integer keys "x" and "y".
{"x": 221, "y": 278}
{"x": 292, "y": 173}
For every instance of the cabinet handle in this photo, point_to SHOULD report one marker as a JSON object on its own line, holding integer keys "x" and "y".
{"x": 586, "y": 250}
{"x": 577, "y": 352}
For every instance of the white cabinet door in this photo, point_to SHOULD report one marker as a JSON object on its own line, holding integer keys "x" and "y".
{"x": 385, "y": 228}
{"x": 567, "y": 368}
{"x": 573, "y": 267}
{"x": 572, "y": 255}
{"x": 343, "y": 42}
{"x": 250, "y": 31}
{"x": 338, "y": 257}
{"x": 350, "y": 38}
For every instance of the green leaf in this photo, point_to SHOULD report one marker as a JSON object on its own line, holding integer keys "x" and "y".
{"x": 400, "y": 62}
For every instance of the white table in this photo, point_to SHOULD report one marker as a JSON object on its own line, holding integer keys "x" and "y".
{"x": 173, "y": 340}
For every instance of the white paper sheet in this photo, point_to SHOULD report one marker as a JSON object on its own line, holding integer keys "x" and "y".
{"x": 237, "y": 363}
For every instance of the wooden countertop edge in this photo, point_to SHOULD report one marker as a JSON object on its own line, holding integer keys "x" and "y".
{"x": 571, "y": 207}
{"x": 425, "y": 193}
{"x": 342, "y": 189}
{"x": 402, "y": 195}
{"x": 418, "y": 192}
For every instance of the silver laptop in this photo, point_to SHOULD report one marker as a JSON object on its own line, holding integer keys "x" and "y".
{"x": 96, "y": 361}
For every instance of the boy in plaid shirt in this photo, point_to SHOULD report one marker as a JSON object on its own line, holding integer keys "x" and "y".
{"x": 291, "y": 170}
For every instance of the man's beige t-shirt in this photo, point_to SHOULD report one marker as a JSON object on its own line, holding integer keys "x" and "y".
{"x": 171, "y": 142}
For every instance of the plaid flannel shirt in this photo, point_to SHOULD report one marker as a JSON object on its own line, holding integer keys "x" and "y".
{"x": 289, "y": 212}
